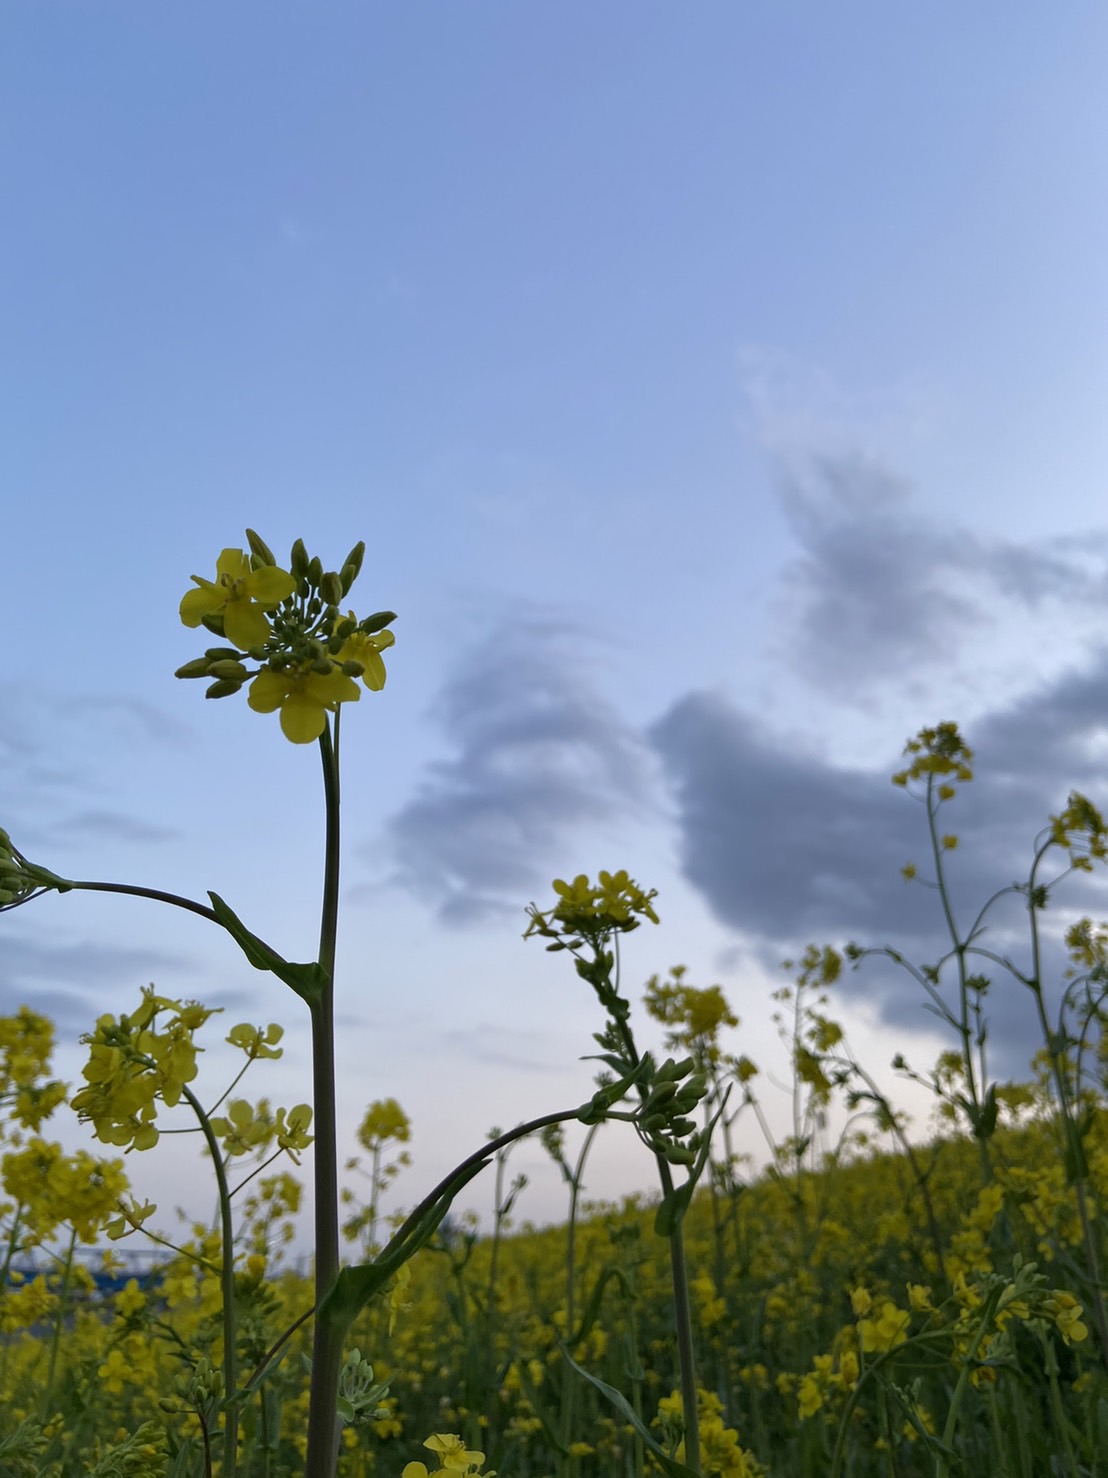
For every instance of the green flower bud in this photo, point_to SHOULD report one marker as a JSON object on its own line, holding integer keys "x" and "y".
{"x": 198, "y": 667}
{"x": 223, "y": 688}
{"x": 377, "y": 622}
{"x": 348, "y": 574}
{"x": 677, "y": 1154}
{"x": 216, "y": 654}
{"x": 346, "y": 628}
{"x": 315, "y": 571}
{"x": 231, "y": 670}
{"x": 298, "y": 560}
{"x": 324, "y": 666}
{"x": 662, "y": 1094}
{"x": 260, "y": 549}
{"x": 330, "y": 587}
{"x": 353, "y": 561}
{"x": 352, "y": 668}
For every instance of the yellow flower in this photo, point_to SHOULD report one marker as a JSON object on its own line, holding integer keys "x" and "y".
{"x": 453, "y": 1458}
{"x": 304, "y": 696}
{"x": 1066, "y": 1312}
{"x": 860, "y": 1301}
{"x": 885, "y": 1332}
{"x": 130, "y": 1300}
{"x": 240, "y": 595}
{"x": 365, "y": 649}
{"x": 292, "y": 1134}
{"x": 256, "y": 1043}
{"x": 114, "y": 1372}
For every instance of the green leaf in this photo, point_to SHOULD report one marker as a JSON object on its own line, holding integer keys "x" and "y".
{"x": 355, "y": 1286}
{"x": 309, "y": 981}
{"x": 668, "y": 1464}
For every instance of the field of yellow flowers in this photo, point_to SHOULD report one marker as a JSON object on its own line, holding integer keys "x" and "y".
{"x": 890, "y": 1306}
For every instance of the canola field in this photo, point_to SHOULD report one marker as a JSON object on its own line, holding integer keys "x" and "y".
{"x": 882, "y": 1304}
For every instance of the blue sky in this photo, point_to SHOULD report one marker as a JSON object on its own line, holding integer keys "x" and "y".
{"x": 719, "y": 392}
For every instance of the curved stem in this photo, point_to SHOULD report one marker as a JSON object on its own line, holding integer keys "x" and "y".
{"x": 227, "y": 1279}
{"x": 135, "y": 891}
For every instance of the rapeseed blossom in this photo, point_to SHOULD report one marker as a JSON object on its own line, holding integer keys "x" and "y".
{"x": 238, "y": 597}
{"x": 453, "y": 1455}
{"x": 310, "y": 655}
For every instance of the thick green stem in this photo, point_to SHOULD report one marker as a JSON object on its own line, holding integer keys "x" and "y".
{"x": 323, "y": 1425}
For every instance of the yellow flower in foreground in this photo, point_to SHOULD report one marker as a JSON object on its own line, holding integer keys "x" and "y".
{"x": 304, "y": 696}
{"x": 240, "y": 595}
{"x": 452, "y": 1455}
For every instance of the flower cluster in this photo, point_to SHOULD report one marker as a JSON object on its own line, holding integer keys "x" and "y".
{"x": 289, "y": 621}
{"x": 20, "y": 879}
{"x": 26, "y": 1045}
{"x": 614, "y": 904}
{"x": 133, "y": 1063}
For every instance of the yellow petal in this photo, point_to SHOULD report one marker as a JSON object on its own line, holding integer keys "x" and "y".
{"x": 245, "y": 624}
{"x": 302, "y": 719}
{"x": 374, "y": 674}
{"x": 233, "y": 563}
{"x": 267, "y": 691}
{"x": 196, "y": 604}
{"x": 269, "y": 586}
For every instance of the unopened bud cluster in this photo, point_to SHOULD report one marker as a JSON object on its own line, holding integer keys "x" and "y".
{"x": 360, "y": 1397}
{"x": 675, "y": 1090}
{"x": 20, "y": 879}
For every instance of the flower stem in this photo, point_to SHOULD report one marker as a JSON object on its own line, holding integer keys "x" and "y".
{"x": 227, "y": 1280}
{"x": 323, "y": 1426}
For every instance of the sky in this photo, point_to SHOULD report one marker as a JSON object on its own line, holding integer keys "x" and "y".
{"x": 719, "y": 392}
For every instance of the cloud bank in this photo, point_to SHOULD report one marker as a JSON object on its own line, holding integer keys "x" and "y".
{"x": 537, "y": 755}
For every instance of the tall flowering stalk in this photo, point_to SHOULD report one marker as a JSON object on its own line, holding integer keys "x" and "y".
{"x": 283, "y": 632}
{"x": 587, "y": 920}
{"x": 286, "y": 634}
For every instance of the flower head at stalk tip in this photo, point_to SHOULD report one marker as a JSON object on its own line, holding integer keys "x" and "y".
{"x": 311, "y": 655}
{"x": 614, "y": 904}
{"x": 21, "y": 880}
